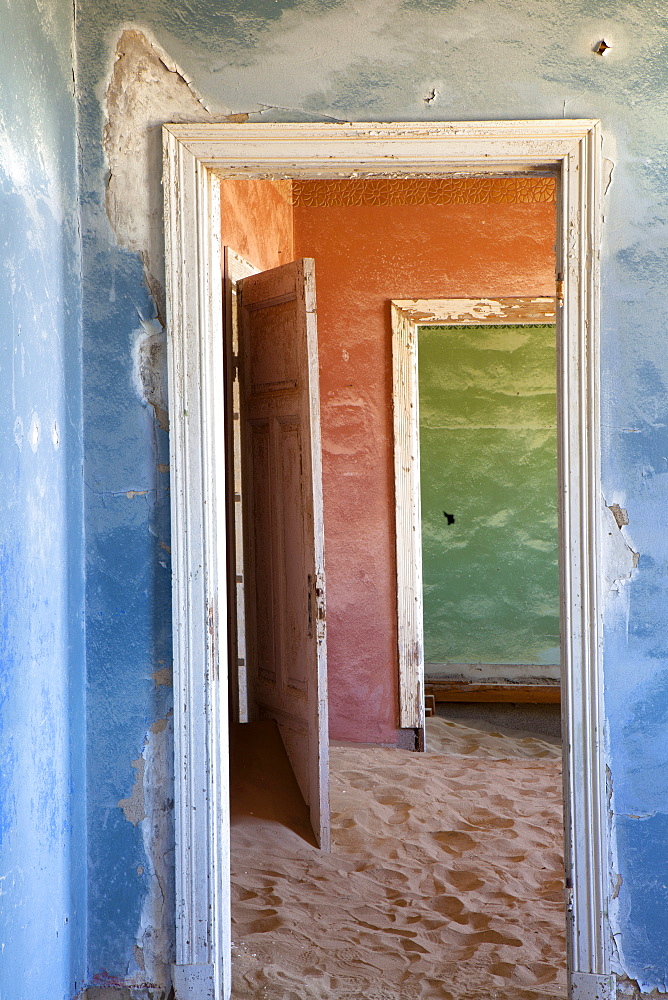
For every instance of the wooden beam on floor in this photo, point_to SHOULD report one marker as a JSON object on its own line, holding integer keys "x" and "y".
{"x": 529, "y": 694}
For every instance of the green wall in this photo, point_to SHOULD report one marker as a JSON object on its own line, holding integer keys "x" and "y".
{"x": 488, "y": 457}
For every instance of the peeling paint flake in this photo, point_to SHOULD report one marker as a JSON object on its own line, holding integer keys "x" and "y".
{"x": 149, "y": 368}
{"x": 133, "y": 807}
{"x": 620, "y": 559}
{"x": 150, "y": 806}
{"x": 620, "y": 515}
{"x": 163, "y": 677}
{"x": 146, "y": 89}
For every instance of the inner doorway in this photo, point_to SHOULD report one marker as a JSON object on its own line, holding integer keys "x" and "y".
{"x": 475, "y": 431}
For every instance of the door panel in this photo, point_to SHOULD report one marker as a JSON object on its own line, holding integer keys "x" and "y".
{"x": 260, "y": 640}
{"x": 282, "y": 477}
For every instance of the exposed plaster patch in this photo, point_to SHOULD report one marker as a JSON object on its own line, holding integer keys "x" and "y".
{"x": 629, "y": 989}
{"x": 149, "y": 368}
{"x": 619, "y": 881}
{"x": 156, "y": 933}
{"x": 619, "y": 558}
{"x": 151, "y": 807}
{"x": 133, "y": 807}
{"x": 146, "y": 89}
{"x": 162, "y": 677}
{"x": 620, "y": 515}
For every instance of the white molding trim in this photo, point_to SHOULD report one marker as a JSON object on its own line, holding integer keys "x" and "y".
{"x": 585, "y": 786}
{"x": 408, "y": 521}
{"x": 199, "y": 615}
{"x": 408, "y": 315}
{"x": 585, "y": 986}
{"x": 195, "y": 156}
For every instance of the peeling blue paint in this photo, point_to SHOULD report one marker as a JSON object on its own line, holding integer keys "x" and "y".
{"x": 128, "y": 608}
{"x": 643, "y": 899}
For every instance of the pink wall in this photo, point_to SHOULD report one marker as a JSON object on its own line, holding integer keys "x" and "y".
{"x": 397, "y": 239}
{"x": 256, "y": 219}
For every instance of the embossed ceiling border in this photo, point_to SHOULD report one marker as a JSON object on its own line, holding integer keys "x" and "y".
{"x": 385, "y": 191}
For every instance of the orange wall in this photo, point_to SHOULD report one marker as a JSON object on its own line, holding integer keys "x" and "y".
{"x": 374, "y": 241}
{"x": 256, "y": 218}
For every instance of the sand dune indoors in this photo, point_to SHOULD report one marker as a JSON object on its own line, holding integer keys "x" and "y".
{"x": 445, "y": 879}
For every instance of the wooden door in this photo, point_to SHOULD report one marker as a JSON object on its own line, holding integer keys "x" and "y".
{"x": 283, "y": 521}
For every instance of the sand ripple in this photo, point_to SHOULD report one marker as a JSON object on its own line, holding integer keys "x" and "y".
{"x": 445, "y": 880}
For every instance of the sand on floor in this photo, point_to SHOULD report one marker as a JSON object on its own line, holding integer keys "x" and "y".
{"x": 445, "y": 879}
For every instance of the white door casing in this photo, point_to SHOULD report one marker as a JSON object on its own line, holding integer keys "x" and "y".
{"x": 408, "y": 315}
{"x": 195, "y": 158}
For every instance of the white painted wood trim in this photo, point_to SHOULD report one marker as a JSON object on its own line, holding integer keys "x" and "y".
{"x": 408, "y": 520}
{"x": 408, "y": 315}
{"x": 585, "y": 986}
{"x": 320, "y": 817}
{"x": 585, "y": 785}
{"x": 236, "y": 268}
{"x": 571, "y": 150}
{"x": 474, "y": 312}
{"x": 194, "y": 318}
{"x": 419, "y": 147}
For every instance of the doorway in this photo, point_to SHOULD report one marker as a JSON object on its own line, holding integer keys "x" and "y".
{"x": 429, "y": 235}
{"x": 571, "y": 149}
{"x": 475, "y": 413}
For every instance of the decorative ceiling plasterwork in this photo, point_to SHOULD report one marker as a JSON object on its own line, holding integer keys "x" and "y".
{"x": 422, "y": 191}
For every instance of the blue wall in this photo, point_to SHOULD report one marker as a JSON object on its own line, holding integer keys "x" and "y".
{"x": 360, "y": 60}
{"x": 42, "y": 801}
{"x": 128, "y": 575}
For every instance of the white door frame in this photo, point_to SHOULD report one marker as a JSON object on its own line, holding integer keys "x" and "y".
{"x": 408, "y": 315}
{"x": 196, "y": 157}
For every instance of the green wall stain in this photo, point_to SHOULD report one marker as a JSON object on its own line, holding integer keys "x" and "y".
{"x": 488, "y": 457}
